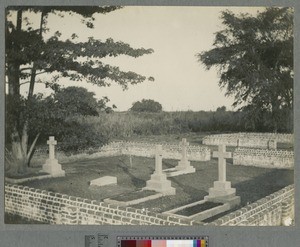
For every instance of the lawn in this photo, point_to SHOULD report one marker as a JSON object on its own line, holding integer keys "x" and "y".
{"x": 251, "y": 183}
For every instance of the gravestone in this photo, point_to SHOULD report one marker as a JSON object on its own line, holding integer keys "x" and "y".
{"x": 106, "y": 180}
{"x": 158, "y": 181}
{"x": 222, "y": 191}
{"x": 52, "y": 166}
{"x": 184, "y": 164}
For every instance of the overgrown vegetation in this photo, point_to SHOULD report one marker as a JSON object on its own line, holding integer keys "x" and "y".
{"x": 123, "y": 125}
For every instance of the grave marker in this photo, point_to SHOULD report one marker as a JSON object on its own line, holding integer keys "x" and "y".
{"x": 222, "y": 191}
{"x": 222, "y": 155}
{"x": 52, "y": 166}
{"x": 106, "y": 180}
{"x": 184, "y": 164}
{"x": 158, "y": 181}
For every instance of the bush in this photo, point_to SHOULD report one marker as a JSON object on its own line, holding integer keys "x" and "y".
{"x": 146, "y": 105}
{"x": 79, "y": 134}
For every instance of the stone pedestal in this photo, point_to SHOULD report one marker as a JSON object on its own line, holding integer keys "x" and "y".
{"x": 53, "y": 168}
{"x": 185, "y": 166}
{"x": 158, "y": 181}
{"x": 222, "y": 192}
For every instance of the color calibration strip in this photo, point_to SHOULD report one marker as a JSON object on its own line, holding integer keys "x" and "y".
{"x": 171, "y": 242}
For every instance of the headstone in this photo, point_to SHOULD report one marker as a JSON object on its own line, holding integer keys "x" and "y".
{"x": 222, "y": 191}
{"x": 106, "y": 180}
{"x": 52, "y": 166}
{"x": 184, "y": 164}
{"x": 158, "y": 181}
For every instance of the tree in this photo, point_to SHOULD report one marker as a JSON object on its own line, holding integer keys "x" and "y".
{"x": 75, "y": 101}
{"x": 254, "y": 57}
{"x": 146, "y": 105}
{"x": 29, "y": 54}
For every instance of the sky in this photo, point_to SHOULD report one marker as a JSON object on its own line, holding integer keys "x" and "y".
{"x": 176, "y": 34}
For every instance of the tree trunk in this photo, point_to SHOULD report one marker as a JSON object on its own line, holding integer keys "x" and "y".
{"x": 17, "y": 162}
{"x": 20, "y": 156}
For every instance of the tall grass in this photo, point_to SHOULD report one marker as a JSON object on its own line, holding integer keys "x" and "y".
{"x": 127, "y": 124}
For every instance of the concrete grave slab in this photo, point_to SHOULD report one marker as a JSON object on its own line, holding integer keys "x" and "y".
{"x": 106, "y": 180}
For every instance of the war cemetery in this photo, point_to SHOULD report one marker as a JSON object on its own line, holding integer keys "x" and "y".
{"x": 73, "y": 160}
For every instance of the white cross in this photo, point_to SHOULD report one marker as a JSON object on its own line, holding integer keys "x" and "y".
{"x": 158, "y": 159}
{"x": 184, "y": 145}
{"x": 222, "y": 155}
{"x": 51, "y": 142}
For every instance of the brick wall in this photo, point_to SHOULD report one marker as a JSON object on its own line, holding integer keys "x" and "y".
{"x": 260, "y": 140}
{"x": 56, "y": 208}
{"x": 142, "y": 149}
{"x": 170, "y": 151}
{"x": 274, "y": 210}
{"x": 263, "y": 158}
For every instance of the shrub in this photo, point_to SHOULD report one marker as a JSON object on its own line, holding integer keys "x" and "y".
{"x": 146, "y": 105}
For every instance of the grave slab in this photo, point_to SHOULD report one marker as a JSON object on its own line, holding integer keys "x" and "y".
{"x": 106, "y": 180}
{"x": 134, "y": 201}
{"x": 201, "y": 215}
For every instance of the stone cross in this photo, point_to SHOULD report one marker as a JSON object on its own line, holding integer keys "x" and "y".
{"x": 51, "y": 142}
{"x": 222, "y": 155}
{"x": 158, "y": 159}
{"x": 184, "y": 145}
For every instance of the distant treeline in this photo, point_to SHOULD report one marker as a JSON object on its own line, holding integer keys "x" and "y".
{"x": 89, "y": 131}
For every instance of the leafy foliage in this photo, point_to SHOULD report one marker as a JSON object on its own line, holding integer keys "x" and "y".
{"x": 72, "y": 101}
{"x": 146, "y": 105}
{"x": 29, "y": 54}
{"x": 254, "y": 57}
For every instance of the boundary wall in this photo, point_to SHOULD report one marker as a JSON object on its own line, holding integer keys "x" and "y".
{"x": 255, "y": 140}
{"x": 263, "y": 158}
{"x": 276, "y": 209}
{"x": 170, "y": 151}
{"x": 56, "y": 208}
{"x": 143, "y": 149}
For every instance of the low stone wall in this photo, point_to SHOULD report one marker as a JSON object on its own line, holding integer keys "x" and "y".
{"x": 263, "y": 158}
{"x": 56, "y": 208}
{"x": 170, "y": 151}
{"x": 260, "y": 140}
{"x": 143, "y": 149}
{"x": 274, "y": 210}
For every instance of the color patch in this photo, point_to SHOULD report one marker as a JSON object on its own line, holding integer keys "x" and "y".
{"x": 164, "y": 243}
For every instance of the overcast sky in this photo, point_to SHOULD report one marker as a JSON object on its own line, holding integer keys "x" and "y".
{"x": 176, "y": 34}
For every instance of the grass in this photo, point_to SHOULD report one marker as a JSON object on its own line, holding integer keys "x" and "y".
{"x": 251, "y": 183}
{"x": 30, "y": 172}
